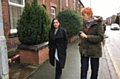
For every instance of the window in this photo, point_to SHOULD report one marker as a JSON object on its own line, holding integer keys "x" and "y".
{"x": 19, "y": 3}
{"x": 66, "y": 2}
{"x": 52, "y": 13}
{"x": 16, "y": 7}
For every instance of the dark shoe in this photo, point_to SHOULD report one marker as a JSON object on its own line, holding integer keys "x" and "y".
{"x": 58, "y": 77}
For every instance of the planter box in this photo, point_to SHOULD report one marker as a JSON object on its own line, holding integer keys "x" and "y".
{"x": 33, "y": 54}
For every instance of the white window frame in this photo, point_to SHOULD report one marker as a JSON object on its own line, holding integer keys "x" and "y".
{"x": 66, "y": 2}
{"x": 16, "y": 5}
{"x": 52, "y": 8}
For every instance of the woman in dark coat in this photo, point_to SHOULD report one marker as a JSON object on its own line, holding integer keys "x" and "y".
{"x": 57, "y": 46}
{"x": 91, "y": 36}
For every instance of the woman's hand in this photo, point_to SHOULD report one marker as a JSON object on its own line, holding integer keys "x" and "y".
{"x": 83, "y": 35}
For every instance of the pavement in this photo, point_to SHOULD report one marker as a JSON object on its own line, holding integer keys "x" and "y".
{"x": 72, "y": 66}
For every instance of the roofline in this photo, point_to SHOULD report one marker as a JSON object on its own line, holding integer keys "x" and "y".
{"x": 81, "y": 3}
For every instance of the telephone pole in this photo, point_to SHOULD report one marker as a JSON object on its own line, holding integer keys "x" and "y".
{"x": 90, "y": 3}
{"x": 4, "y": 70}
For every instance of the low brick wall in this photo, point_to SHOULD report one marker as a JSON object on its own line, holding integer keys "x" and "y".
{"x": 36, "y": 54}
{"x": 33, "y": 54}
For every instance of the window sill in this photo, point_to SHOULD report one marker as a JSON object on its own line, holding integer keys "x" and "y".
{"x": 12, "y": 35}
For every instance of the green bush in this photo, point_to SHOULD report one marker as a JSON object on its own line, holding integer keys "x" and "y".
{"x": 33, "y": 25}
{"x": 71, "y": 21}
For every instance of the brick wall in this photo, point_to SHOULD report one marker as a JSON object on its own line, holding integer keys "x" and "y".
{"x": 13, "y": 42}
{"x": 32, "y": 57}
{"x": 6, "y": 21}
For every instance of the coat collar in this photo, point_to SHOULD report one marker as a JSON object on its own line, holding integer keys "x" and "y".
{"x": 58, "y": 34}
{"x": 93, "y": 21}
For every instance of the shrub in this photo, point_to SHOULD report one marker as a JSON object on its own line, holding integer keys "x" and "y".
{"x": 71, "y": 21}
{"x": 33, "y": 24}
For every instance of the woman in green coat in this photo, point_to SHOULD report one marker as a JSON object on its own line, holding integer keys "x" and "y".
{"x": 91, "y": 36}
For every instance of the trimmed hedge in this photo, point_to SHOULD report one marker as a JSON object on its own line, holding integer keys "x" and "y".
{"x": 33, "y": 25}
{"x": 71, "y": 21}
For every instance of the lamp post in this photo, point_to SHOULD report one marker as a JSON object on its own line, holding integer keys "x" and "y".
{"x": 3, "y": 51}
{"x": 90, "y": 3}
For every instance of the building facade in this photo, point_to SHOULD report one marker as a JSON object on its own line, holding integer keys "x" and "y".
{"x": 12, "y": 9}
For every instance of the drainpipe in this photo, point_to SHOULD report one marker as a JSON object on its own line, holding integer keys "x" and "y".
{"x": 60, "y": 5}
{"x": 3, "y": 51}
{"x": 43, "y": 1}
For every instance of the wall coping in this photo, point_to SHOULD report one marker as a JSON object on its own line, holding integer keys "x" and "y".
{"x": 33, "y": 47}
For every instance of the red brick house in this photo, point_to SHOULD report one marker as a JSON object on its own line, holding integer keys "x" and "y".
{"x": 113, "y": 18}
{"x": 12, "y": 9}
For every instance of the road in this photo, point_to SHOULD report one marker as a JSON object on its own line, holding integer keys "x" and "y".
{"x": 112, "y": 49}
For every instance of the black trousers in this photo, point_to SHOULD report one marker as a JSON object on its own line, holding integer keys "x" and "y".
{"x": 58, "y": 70}
{"x": 94, "y": 62}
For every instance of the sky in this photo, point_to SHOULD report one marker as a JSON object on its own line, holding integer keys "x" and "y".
{"x": 104, "y": 8}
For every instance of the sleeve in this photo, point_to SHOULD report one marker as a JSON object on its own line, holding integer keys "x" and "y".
{"x": 49, "y": 39}
{"x": 80, "y": 39}
{"x": 65, "y": 38}
{"x": 81, "y": 29}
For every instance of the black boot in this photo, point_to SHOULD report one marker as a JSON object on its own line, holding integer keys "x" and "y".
{"x": 58, "y": 73}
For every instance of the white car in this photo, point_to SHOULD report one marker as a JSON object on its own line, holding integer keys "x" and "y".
{"x": 114, "y": 26}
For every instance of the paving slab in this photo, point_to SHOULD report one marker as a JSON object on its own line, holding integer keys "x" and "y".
{"x": 72, "y": 67}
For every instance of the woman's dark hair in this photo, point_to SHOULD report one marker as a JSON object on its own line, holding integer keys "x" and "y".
{"x": 52, "y": 24}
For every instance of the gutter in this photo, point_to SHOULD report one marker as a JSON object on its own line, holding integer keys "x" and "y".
{"x": 81, "y": 3}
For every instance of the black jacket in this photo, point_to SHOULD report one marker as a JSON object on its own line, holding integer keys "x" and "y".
{"x": 58, "y": 41}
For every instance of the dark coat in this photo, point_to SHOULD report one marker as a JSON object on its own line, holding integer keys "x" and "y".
{"x": 104, "y": 25}
{"x": 58, "y": 41}
{"x": 91, "y": 46}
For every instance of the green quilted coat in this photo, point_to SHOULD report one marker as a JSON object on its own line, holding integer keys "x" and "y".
{"x": 91, "y": 46}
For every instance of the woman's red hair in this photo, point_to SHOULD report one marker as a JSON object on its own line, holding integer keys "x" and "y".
{"x": 87, "y": 11}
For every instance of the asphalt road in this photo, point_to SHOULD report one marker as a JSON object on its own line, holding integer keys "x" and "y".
{"x": 112, "y": 48}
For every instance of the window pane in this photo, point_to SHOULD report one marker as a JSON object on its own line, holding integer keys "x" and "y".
{"x": 52, "y": 10}
{"x": 66, "y": 2}
{"x": 15, "y": 13}
{"x": 52, "y": 13}
{"x": 17, "y": 1}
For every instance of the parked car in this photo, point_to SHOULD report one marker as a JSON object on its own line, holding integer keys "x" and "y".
{"x": 114, "y": 26}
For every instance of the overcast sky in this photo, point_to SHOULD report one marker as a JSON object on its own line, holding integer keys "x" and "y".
{"x": 104, "y": 8}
